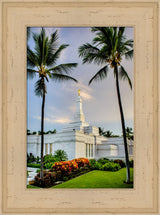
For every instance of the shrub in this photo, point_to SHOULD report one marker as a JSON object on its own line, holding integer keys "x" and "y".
{"x": 60, "y": 155}
{"x": 37, "y": 159}
{"x": 38, "y": 170}
{"x": 65, "y": 166}
{"x": 48, "y": 165}
{"x": 59, "y": 176}
{"x": 110, "y": 166}
{"x": 98, "y": 166}
{"x": 92, "y": 163}
{"x": 120, "y": 162}
{"x": 30, "y": 158}
{"x": 82, "y": 162}
{"x": 49, "y": 159}
{"x": 103, "y": 160}
{"x": 131, "y": 163}
{"x": 49, "y": 179}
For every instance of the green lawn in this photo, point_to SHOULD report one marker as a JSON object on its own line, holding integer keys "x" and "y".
{"x": 32, "y": 187}
{"x": 99, "y": 179}
{"x": 96, "y": 179}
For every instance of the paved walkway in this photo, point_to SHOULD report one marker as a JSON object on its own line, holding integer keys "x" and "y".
{"x": 32, "y": 173}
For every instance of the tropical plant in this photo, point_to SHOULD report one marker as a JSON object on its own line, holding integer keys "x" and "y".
{"x": 49, "y": 159}
{"x": 101, "y": 131}
{"x": 120, "y": 162}
{"x": 108, "y": 133}
{"x": 129, "y": 133}
{"x": 103, "y": 160}
{"x": 60, "y": 155}
{"x": 108, "y": 48}
{"x": 28, "y": 33}
{"x": 28, "y": 132}
{"x": 51, "y": 132}
{"x": 30, "y": 158}
{"x": 38, "y": 160}
{"x": 92, "y": 163}
{"x": 110, "y": 166}
{"x": 54, "y": 131}
{"x": 82, "y": 162}
{"x": 41, "y": 62}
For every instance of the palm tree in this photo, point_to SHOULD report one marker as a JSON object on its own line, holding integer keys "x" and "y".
{"x": 28, "y": 33}
{"x": 41, "y": 62}
{"x": 101, "y": 131}
{"x": 129, "y": 133}
{"x": 108, "y": 133}
{"x": 60, "y": 155}
{"x": 105, "y": 133}
{"x": 108, "y": 49}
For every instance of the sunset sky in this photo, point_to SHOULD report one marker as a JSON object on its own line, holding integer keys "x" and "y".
{"x": 100, "y": 103}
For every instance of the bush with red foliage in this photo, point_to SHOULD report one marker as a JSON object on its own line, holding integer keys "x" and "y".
{"x": 65, "y": 166}
{"x": 82, "y": 162}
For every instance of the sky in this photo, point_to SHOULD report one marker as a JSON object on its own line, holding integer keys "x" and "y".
{"x": 100, "y": 103}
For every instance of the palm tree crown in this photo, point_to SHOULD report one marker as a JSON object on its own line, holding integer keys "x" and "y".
{"x": 42, "y": 61}
{"x": 108, "y": 49}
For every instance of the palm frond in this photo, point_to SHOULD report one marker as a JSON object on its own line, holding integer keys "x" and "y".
{"x": 129, "y": 43}
{"x": 61, "y": 77}
{"x": 40, "y": 87}
{"x": 129, "y": 54}
{"x": 31, "y": 58}
{"x": 86, "y": 48}
{"x": 31, "y": 73}
{"x": 54, "y": 37}
{"x": 91, "y": 54}
{"x": 53, "y": 55}
{"x": 67, "y": 68}
{"x": 41, "y": 46}
{"x": 121, "y": 31}
{"x": 100, "y": 75}
{"x": 28, "y": 33}
{"x": 124, "y": 75}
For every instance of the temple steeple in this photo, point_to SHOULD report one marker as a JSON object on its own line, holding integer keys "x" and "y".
{"x": 79, "y": 116}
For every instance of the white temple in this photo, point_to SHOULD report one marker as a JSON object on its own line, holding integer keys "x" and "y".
{"x": 79, "y": 139}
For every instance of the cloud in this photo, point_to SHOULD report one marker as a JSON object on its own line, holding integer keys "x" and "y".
{"x": 86, "y": 92}
{"x": 54, "y": 120}
{"x": 85, "y": 95}
{"x": 63, "y": 120}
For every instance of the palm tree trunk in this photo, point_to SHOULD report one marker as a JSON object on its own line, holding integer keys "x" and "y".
{"x": 42, "y": 133}
{"x": 123, "y": 126}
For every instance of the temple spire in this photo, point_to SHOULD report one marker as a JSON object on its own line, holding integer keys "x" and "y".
{"x": 79, "y": 90}
{"x": 79, "y": 116}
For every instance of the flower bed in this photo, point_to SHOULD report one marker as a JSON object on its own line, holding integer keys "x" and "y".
{"x": 82, "y": 162}
{"x": 65, "y": 166}
{"x": 63, "y": 171}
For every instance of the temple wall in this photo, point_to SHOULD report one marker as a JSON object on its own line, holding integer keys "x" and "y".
{"x": 62, "y": 140}
{"x": 83, "y": 141}
{"x": 76, "y": 143}
{"x": 105, "y": 150}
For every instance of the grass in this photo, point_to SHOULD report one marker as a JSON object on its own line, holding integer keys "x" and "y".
{"x": 99, "y": 179}
{"x": 96, "y": 179}
{"x": 32, "y": 187}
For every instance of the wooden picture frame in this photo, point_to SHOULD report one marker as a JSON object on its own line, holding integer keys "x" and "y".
{"x": 15, "y": 17}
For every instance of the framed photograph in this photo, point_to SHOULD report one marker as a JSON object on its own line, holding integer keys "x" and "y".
{"x": 48, "y": 140}
{"x": 79, "y": 140}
